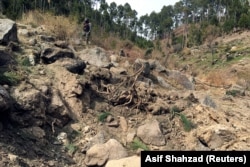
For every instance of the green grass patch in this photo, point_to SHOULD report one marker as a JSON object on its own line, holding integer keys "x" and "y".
{"x": 25, "y": 62}
{"x": 136, "y": 144}
{"x": 71, "y": 148}
{"x": 233, "y": 92}
{"x": 175, "y": 109}
{"x": 10, "y": 78}
{"x": 103, "y": 116}
{"x": 187, "y": 124}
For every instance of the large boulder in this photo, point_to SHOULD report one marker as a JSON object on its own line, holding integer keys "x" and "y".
{"x": 95, "y": 56}
{"x": 133, "y": 161}
{"x": 150, "y": 133}
{"x": 35, "y": 105}
{"x": 75, "y": 66}
{"x": 8, "y": 31}
{"x": 156, "y": 65}
{"x": 151, "y": 64}
{"x": 51, "y": 54}
{"x": 217, "y": 136}
{"x": 181, "y": 79}
{"x": 99, "y": 154}
{"x": 163, "y": 83}
{"x": 66, "y": 96}
{"x": 100, "y": 138}
{"x": 30, "y": 106}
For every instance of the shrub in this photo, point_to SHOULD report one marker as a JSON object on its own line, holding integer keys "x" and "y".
{"x": 244, "y": 21}
{"x": 195, "y": 36}
{"x": 228, "y": 25}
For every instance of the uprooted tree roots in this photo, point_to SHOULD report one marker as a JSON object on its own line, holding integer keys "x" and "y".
{"x": 132, "y": 93}
{"x": 125, "y": 93}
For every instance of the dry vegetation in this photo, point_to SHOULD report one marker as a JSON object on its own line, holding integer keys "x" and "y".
{"x": 219, "y": 78}
{"x": 64, "y": 28}
{"x": 61, "y": 27}
{"x": 67, "y": 28}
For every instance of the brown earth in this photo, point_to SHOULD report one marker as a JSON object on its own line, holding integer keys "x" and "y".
{"x": 218, "y": 109}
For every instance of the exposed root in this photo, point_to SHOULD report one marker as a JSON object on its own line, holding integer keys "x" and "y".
{"x": 123, "y": 93}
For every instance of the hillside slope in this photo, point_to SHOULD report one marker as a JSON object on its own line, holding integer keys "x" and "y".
{"x": 87, "y": 106}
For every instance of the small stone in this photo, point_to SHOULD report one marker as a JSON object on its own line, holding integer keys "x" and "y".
{"x": 57, "y": 142}
{"x": 44, "y": 89}
{"x": 51, "y": 163}
{"x": 86, "y": 129}
{"x": 114, "y": 124}
{"x": 76, "y": 127}
{"x": 110, "y": 118}
{"x": 77, "y": 89}
{"x": 62, "y": 136}
{"x": 33, "y": 42}
{"x": 123, "y": 124}
{"x": 12, "y": 157}
{"x": 61, "y": 139}
{"x": 41, "y": 72}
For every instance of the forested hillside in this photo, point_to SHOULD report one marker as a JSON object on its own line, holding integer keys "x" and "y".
{"x": 200, "y": 19}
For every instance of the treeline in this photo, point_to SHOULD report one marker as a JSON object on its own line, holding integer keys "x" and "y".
{"x": 200, "y": 19}
{"x": 113, "y": 19}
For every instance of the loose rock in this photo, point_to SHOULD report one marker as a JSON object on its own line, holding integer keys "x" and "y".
{"x": 150, "y": 133}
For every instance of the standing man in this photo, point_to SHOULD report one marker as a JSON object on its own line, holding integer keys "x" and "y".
{"x": 86, "y": 30}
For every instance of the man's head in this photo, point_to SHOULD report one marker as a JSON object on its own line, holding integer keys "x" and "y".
{"x": 86, "y": 20}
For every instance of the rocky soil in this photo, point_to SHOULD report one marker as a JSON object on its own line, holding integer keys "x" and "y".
{"x": 80, "y": 105}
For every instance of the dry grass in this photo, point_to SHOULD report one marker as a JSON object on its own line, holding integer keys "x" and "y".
{"x": 66, "y": 28}
{"x": 219, "y": 78}
{"x": 111, "y": 42}
{"x": 61, "y": 27}
{"x": 108, "y": 42}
